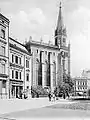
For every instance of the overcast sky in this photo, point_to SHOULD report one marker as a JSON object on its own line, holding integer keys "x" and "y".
{"x": 38, "y": 18}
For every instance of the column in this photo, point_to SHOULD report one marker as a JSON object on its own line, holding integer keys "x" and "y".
{"x": 61, "y": 71}
{"x": 56, "y": 69}
{"x": 15, "y": 92}
{"x": 51, "y": 72}
{"x": 43, "y": 67}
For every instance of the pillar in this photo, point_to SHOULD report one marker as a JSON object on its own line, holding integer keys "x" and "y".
{"x": 15, "y": 92}
{"x": 51, "y": 74}
{"x": 43, "y": 73}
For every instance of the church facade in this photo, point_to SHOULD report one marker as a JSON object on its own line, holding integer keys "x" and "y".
{"x": 50, "y": 62}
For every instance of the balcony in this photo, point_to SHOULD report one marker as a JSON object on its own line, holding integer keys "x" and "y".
{"x": 16, "y": 65}
{"x": 3, "y": 75}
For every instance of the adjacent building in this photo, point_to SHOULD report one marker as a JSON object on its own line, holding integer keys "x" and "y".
{"x": 20, "y": 68}
{"x": 15, "y": 64}
{"x": 4, "y": 56}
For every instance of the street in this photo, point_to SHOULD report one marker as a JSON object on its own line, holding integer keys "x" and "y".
{"x": 73, "y": 110}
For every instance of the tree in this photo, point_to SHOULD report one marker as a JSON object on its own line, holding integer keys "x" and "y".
{"x": 65, "y": 87}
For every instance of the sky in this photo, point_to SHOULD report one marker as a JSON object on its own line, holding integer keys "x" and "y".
{"x": 38, "y": 18}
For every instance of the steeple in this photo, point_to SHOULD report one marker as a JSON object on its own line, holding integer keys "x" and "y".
{"x": 60, "y": 32}
{"x": 60, "y": 21}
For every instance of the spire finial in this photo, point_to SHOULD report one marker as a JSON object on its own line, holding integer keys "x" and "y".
{"x": 60, "y": 4}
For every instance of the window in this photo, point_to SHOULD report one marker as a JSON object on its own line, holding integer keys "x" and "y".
{"x": 27, "y": 87}
{"x": 3, "y": 84}
{"x": 27, "y": 64}
{"x": 54, "y": 53}
{"x": 3, "y": 50}
{"x": 12, "y": 58}
{"x": 46, "y": 52}
{"x": 16, "y": 75}
{"x": 78, "y": 82}
{"x": 3, "y": 68}
{"x": 20, "y": 61}
{"x": 16, "y": 59}
{"x": 27, "y": 77}
{"x": 83, "y": 83}
{"x": 12, "y": 73}
{"x": 3, "y": 33}
{"x": 20, "y": 75}
{"x": 37, "y": 51}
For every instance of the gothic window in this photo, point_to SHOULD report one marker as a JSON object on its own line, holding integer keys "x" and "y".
{"x": 27, "y": 77}
{"x": 20, "y": 60}
{"x": 12, "y": 73}
{"x": 37, "y": 50}
{"x": 12, "y": 58}
{"x": 3, "y": 33}
{"x": 16, "y": 74}
{"x": 16, "y": 59}
{"x": 20, "y": 75}
{"x": 27, "y": 63}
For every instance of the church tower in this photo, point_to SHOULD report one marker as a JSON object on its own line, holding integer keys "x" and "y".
{"x": 60, "y": 32}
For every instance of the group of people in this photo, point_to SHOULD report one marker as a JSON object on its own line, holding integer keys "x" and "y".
{"x": 51, "y": 96}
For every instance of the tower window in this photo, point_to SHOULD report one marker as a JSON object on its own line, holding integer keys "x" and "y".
{"x": 12, "y": 73}
{"x": 16, "y": 59}
{"x": 37, "y": 51}
{"x": 16, "y": 75}
{"x": 20, "y": 75}
{"x": 27, "y": 64}
{"x": 3, "y": 33}
{"x": 27, "y": 77}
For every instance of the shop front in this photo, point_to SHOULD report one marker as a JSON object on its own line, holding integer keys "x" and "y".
{"x": 16, "y": 89}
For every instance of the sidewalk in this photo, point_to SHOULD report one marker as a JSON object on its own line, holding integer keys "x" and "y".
{"x": 13, "y": 105}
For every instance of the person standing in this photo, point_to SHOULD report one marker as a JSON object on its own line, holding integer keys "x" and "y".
{"x": 49, "y": 95}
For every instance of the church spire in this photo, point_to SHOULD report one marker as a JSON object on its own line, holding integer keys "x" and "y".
{"x": 60, "y": 21}
{"x": 60, "y": 32}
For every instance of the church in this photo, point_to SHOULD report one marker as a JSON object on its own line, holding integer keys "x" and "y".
{"x": 50, "y": 61}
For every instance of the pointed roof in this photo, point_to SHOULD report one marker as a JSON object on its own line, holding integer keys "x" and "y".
{"x": 60, "y": 21}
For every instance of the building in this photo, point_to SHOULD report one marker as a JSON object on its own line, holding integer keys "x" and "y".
{"x": 20, "y": 68}
{"x": 15, "y": 64}
{"x": 50, "y": 62}
{"x": 82, "y": 84}
{"x": 4, "y": 56}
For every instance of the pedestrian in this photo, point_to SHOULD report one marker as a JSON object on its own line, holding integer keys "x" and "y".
{"x": 49, "y": 95}
{"x": 53, "y": 95}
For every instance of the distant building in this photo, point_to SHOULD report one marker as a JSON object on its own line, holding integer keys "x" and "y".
{"x": 82, "y": 84}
